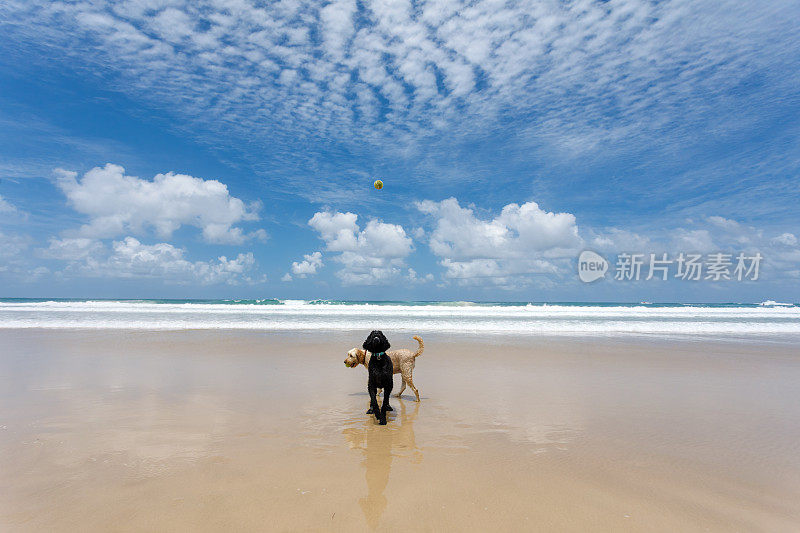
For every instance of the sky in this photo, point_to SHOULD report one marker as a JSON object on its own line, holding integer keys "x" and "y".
{"x": 228, "y": 148}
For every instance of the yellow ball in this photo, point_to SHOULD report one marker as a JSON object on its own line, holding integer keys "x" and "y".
{"x": 378, "y": 184}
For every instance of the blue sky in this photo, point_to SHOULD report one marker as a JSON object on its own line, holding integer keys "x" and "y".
{"x": 163, "y": 148}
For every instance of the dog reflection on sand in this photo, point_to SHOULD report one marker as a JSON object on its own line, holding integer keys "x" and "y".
{"x": 380, "y": 445}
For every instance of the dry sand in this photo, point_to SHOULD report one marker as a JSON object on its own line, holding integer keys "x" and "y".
{"x": 199, "y": 430}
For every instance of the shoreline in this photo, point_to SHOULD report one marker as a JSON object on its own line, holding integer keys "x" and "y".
{"x": 532, "y": 339}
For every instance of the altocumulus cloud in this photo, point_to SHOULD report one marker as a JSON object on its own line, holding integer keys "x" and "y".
{"x": 409, "y": 70}
{"x": 117, "y": 204}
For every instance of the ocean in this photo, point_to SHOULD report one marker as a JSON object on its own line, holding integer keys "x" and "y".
{"x": 500, "y": 318}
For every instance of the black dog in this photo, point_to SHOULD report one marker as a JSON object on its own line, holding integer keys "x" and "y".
{"x": 380, "y": 374}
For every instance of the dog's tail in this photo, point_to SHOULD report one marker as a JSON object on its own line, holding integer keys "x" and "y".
{"x": 421, "y": 346}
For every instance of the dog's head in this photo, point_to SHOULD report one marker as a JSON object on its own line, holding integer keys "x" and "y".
{"x": 376, "y": 342}
{"x": 355, "y": 357}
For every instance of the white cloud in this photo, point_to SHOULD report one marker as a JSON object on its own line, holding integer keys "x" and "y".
{"x": 785, "y": 239}
{"x": 372, "y": 256}
{"x": 308, "y": 266}
{"x": 710, "y": 234}
{"x": 72, "y": 248}
{"x": 11, "y": 213}
{"x": 129, "y": 258}
{"x": 12, "y": 246}
{"x": 337, "y": 26}
{"x": 696, "y": 240}
{"x": 391, "y": 70}
{"x": 15, "y": 257}
{"x": 724, "y": 223}
{"x": 39, "y": 272}
{"x": 620, "y": 240}
{"x": 117, "y": 204}
{"x": 172, "y": 25}
{"x": 338, "y": 230}
{"x": 6, "y": 207}
{"x": 522, "y": 240}
{"x": 413, "y": 277}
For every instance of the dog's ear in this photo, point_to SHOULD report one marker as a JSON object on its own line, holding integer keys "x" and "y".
{"x": 384, "y": 341}
{"x": 369, "y": 340}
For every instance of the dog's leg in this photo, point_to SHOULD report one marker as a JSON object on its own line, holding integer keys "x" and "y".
{"x": 403, "y": 385}
{"x": 369, "y": 410}
{"x": 381, "y": 392}
{"x": 373, "y": 401}
{"x": 386, "y": 395}
{"x": 411, "y": 384}
{"x": 387, "y": 392}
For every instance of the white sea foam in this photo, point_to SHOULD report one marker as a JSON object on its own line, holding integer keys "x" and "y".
{"x": 552, "y": 319}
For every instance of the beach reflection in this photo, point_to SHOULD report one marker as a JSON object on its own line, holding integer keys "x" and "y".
{"x": 380, "y": 446}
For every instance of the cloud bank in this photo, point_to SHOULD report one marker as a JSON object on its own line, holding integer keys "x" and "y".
{"x": 520, "y": 241}
{"x": 130, "y": 259}
{"x": 117, "y": 204}
{"x": 374, "y": 255}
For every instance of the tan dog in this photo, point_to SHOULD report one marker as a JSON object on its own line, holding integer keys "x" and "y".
{"x": 402, "y": 362}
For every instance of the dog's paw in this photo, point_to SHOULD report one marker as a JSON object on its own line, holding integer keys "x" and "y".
{"x": 382, "y": 422}
{"x": 369, "y": 411}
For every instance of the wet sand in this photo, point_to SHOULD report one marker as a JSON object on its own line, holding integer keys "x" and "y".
{"x": 216, "y": 430}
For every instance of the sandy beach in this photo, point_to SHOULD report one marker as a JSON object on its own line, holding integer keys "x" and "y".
{"x": 587, "y": 210}
{"x": 244, "y": 430}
